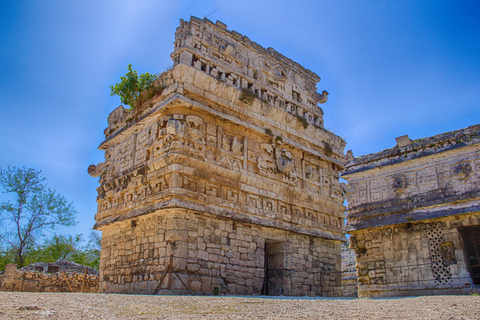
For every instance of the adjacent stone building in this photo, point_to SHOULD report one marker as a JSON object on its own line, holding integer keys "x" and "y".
{"x": 414, "y": 215}
{"x": 227, "y": 177}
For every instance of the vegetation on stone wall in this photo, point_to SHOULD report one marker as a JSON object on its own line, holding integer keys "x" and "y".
{"x": 302, "y": 120}
{"x": 247, "y": 96}
{"x": 328, "y": 149}
{"x": 131, "y": 87}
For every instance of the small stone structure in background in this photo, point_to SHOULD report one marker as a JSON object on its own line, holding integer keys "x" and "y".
{"x": 414, "y": 217}
{"x": 60, "y": 276}
{"x": 225, "y": 183}
{"x": 349, "y": 272}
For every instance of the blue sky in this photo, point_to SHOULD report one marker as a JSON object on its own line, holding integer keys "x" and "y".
{"x": 391, "y": 68}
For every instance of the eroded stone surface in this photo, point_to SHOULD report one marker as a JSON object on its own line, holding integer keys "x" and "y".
{"x": 413, "y": 212}
{"x": 229, "y": 170}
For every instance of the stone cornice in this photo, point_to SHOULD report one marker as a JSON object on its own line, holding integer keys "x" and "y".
{"x": 416, "y": 149}
{"x": 226, "y": 213}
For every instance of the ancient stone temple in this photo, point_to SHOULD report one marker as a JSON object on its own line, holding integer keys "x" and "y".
{"x": 224, "y": 182}
{"x": 414, "y": 215}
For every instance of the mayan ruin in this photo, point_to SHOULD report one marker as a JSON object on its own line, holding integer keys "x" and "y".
{"x": 235, "y": 160}
{"x": 226, "y": 181}
{"x": 413, "y": 214}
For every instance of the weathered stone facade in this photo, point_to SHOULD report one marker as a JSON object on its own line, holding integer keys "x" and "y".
{"x": 227, "y": 177}
{"x": 414, "y": 215}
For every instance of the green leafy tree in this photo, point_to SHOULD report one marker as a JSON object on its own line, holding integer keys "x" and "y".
{"x": 88, "y": 256}
{"x": 31, "y": 209}
{"x": 68, "y": 248}
{"x": 53, "y": 249}
{"x": 65, "y": 247}
{"x": 132, "y": 85}
{"x": 6, "y": 256}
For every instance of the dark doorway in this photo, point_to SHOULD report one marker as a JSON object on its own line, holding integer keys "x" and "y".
{"x": 471, "y": 242}
{"x": 274, "y": 265}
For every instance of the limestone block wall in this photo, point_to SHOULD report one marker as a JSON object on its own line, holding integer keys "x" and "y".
{"x": 31, "y": 281}
{"x": 210, "y": 252}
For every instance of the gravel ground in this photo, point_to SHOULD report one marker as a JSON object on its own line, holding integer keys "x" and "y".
{"x": 24, "y": 305}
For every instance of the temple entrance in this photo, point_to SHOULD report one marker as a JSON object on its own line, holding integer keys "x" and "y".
{"x": 274, "y": 265}
{"x": 471, "y": 242}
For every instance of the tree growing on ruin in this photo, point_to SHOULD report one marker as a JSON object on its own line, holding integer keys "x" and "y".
{"x": 31, "y": 209}
{"x": 131, "y": 86}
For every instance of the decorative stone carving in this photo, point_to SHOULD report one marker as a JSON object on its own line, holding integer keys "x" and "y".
{"x": 399, "y": 184}
{"x": 96, "y": 170}
{"x": 236, "y": 146}
{"x": 195, "y": 137}
{"x": 462, "y": 170}
{"x": 116, "y": 116}
{"x": 284, "y": 160}
{"x": 280, "y": 73}
{"x": 321, "y": 98}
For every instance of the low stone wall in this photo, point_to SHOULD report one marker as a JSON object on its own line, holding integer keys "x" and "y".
{"x": 31, "y": 281}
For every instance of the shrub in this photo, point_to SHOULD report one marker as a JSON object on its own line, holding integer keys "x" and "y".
{"x": 131, "y": 86}
{"x": 328, "y": 149}
{"x": 303, "y": 121}
{"x": 247, "y": 96}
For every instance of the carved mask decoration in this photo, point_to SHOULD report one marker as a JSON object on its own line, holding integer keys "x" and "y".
{"x": 400, "y": 184}
{"x": 280, "y": 73}
{"x": 174, "y": 127}
{"x": 463, "y": 170}
{"x": 284, "y": 160}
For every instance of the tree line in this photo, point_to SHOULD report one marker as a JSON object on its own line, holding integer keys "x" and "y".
{"x": 30, "y": 210}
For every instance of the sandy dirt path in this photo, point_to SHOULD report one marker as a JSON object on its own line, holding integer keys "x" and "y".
{"x": 24, "y": 305}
